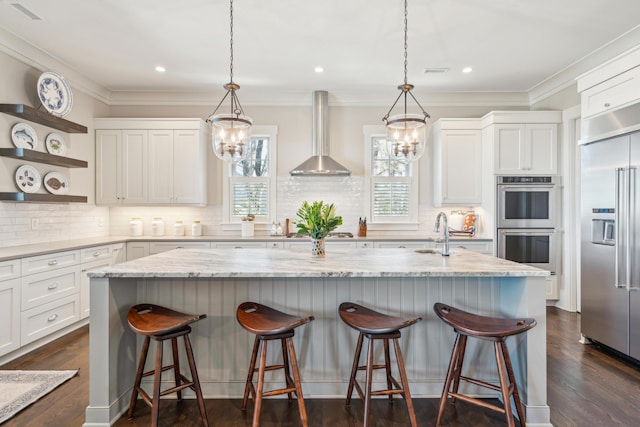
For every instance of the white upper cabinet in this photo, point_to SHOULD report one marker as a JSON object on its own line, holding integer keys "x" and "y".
{"x": 151, "y": 162}
{"x": 524, "y": 142}
{"x": 457, "y": 167}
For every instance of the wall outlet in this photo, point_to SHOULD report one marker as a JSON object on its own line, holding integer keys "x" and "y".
{"x": 35, "y": 223}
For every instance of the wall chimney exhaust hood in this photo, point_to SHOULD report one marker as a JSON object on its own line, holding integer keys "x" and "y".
{"x": 320, "y": 164}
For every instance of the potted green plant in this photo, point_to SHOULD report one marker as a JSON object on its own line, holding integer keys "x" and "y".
{"x": 317, "y": 220}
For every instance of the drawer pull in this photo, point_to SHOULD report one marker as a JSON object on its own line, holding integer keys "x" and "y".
{"x": 52, "y": 318}
{"x": 179, "y": 247}
{"x": 607, "y": 105}
{"x": 238, "y": 247}
{"x": 402, "y": 247}
{"x": 53, "y": 262}
{"x": 96, "y": 254}
{"x": 52, "y": 286}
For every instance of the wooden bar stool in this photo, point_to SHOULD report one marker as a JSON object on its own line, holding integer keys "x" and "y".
{"x": 160, "y": 324}
{"x": 269, "y": 324}
{"x": 491, "y": 329}
{"x": 377, "y": 326}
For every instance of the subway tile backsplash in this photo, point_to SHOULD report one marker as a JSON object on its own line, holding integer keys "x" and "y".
{"x": 67, "y": 222}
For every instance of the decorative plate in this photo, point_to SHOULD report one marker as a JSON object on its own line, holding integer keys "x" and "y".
{"x": 55, "y": 94}
{"x": 56, "y": 183}
{"x": 55, "y": 144}
{"x": 24, "y": 136}
{"x": 28, "y": 179}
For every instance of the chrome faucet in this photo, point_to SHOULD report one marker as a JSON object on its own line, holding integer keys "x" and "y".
{"x": 436, "y": 228}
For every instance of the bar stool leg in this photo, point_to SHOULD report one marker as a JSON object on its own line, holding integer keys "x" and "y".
{"x": 354, "y": 369}
{"x": 248, "y": 388}
{"x": 157, "y": 379}
{"x": 196, "y": 381}
{"x": 369, "y": 380}
{"x": 296, "y": 379}
{"x": 176, "y": 365}
{"x": 258, "y": 401}
{"x": 447, "y": 382}
{"x": 387, "y": 367}
{"x": 506, "y": 395}
{"x": 512, "y": 381}
{"x": 287, "y": 373}
{"x": 143, "y": 360}
{"x": 458, "y": 370}
{"x": 405, "y": 383}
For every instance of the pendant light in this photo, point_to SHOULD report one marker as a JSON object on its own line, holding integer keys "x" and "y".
{"x": 406, "y": 132}
{"x": 231, "y": 132}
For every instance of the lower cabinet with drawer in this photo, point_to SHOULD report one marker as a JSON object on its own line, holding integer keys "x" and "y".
{"x": 481, "y": 247}
{"x": 45, "y": 319}
{"x": 403, "y": 244}
{"x": 9, "y": 313}
{"x": 238, "y": 245}
{"x": 157, "y": 247}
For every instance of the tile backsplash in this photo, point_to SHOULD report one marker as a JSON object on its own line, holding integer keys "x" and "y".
{"x": 68, "y": 222}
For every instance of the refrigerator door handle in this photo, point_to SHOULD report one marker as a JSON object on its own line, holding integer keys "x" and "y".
{"x": 617, "y": 283}
{"x": 631, "y": 180}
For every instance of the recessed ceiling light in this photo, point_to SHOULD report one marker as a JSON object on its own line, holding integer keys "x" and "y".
{"x": 467, "y": 69}
{"x": 318, "y": 69}
{"x": 160, "y": 69}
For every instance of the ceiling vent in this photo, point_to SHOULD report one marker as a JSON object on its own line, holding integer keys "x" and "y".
{"x": 320, "y": 164}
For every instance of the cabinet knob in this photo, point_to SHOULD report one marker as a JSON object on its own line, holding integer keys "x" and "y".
{"x": 607, "y": 105}
{"x": 53, "y": 262}
{"x": 52, "y": 286}
{"x": 52, "y": 318}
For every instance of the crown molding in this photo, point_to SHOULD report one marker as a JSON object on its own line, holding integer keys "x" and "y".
{"x": 567, "y": 76}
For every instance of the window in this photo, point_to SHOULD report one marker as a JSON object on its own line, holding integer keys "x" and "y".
{"x": 391, "y": 186}
{"x": 250, "y": 185}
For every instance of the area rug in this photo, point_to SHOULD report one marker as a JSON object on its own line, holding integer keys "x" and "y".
{"x": 19, "y": 389}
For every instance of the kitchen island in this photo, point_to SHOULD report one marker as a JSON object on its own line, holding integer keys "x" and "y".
{"x": 402, "y": 282}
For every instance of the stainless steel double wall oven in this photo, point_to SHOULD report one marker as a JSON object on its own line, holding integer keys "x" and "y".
{"x": 527, "y": 212}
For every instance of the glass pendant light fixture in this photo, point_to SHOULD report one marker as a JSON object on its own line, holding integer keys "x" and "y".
{"x": 231, "y": 132}
{"x": 406, "y": 132}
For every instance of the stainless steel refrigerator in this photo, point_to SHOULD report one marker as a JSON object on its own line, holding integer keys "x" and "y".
{"x": 610, "y": 242}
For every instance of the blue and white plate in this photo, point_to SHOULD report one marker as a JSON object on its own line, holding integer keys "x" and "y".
{"x": 24, "y": 136}
{"x": 28, "y": 179}
{"x": 55, "y": 94}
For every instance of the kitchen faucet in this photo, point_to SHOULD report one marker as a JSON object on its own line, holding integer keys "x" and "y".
{"x": 436, "y": 228}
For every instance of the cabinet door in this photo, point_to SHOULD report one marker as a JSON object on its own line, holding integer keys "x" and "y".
{"x": 108, "y": 167}
{"x": 134, "y": 167}
{"x": 137, "y": 250}
{"x": 509, "y": 145}
{"x": 161, "y": 166}
{"x": 85, "y": 282}
{"x": 9, "y": 315}
{"x": 459, "y": 179}
{"x": 542, "y": 148}
{"x": 189, "y": 168}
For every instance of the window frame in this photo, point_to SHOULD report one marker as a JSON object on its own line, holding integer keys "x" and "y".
{"x": 403, "y": 223}
{"x": 233, "y": 222}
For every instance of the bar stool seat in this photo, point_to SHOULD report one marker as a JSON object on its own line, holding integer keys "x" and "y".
{"x": 160, "y": 324}
{"x": 377, "y": 326}
{"x": 270, "y": 324}
{"x": 493, "y": 329}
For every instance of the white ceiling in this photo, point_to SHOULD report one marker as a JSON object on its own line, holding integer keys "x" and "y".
{"x": 512, "y": 45}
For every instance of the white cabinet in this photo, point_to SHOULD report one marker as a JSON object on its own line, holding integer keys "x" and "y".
{"x": 524, "y": 142}
{"x": 157, "y": 247}
{"x": 612, "y": 94}
{"x": 137, "y": 250}
{"x": 151, "y": 162}
{"x": 9, "y": 306}
{"x": 481, "y": 247}
{"x": 457, "y": 162}
{"x": 238, "y": 245}
{"x": 121, "y": 167}
{"x": 402, "y": 244}
{"x": 93, "y": 259}
{"x": 305, "y": 244}
{"x": 364, "y": 245}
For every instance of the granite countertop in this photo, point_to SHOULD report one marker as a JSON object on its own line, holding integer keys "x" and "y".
{"x": 15, "y": 252}
{"x": 255, "y": 263}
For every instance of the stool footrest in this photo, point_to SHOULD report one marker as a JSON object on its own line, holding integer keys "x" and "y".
{"x": 477, "y": 402}
{"x": 364, "y": 367}
{"x": 480, "y": 383}
{"x": 270, "y": 368}
{"x": 164, "y": 368}
{"x": 386, "y": 392}
{"x": 279, "y": 391}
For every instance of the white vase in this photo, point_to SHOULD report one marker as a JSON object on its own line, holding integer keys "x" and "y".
{"x": 317, "y": 247}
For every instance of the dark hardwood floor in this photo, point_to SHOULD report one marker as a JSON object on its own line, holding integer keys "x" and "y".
{"x": 586, "y": 387}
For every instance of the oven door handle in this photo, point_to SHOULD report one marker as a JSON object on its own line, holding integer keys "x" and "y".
{"x": 527, "y": 233}
{"x": 531, "y": 187}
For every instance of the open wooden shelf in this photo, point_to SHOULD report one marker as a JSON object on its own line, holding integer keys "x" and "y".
{"x": 40, "y": 157}
{"x": 42, "y": 117}
{"x": 41, "y": 198}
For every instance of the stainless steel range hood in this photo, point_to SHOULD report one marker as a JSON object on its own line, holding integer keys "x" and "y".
{"x": 320, "y": 164}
